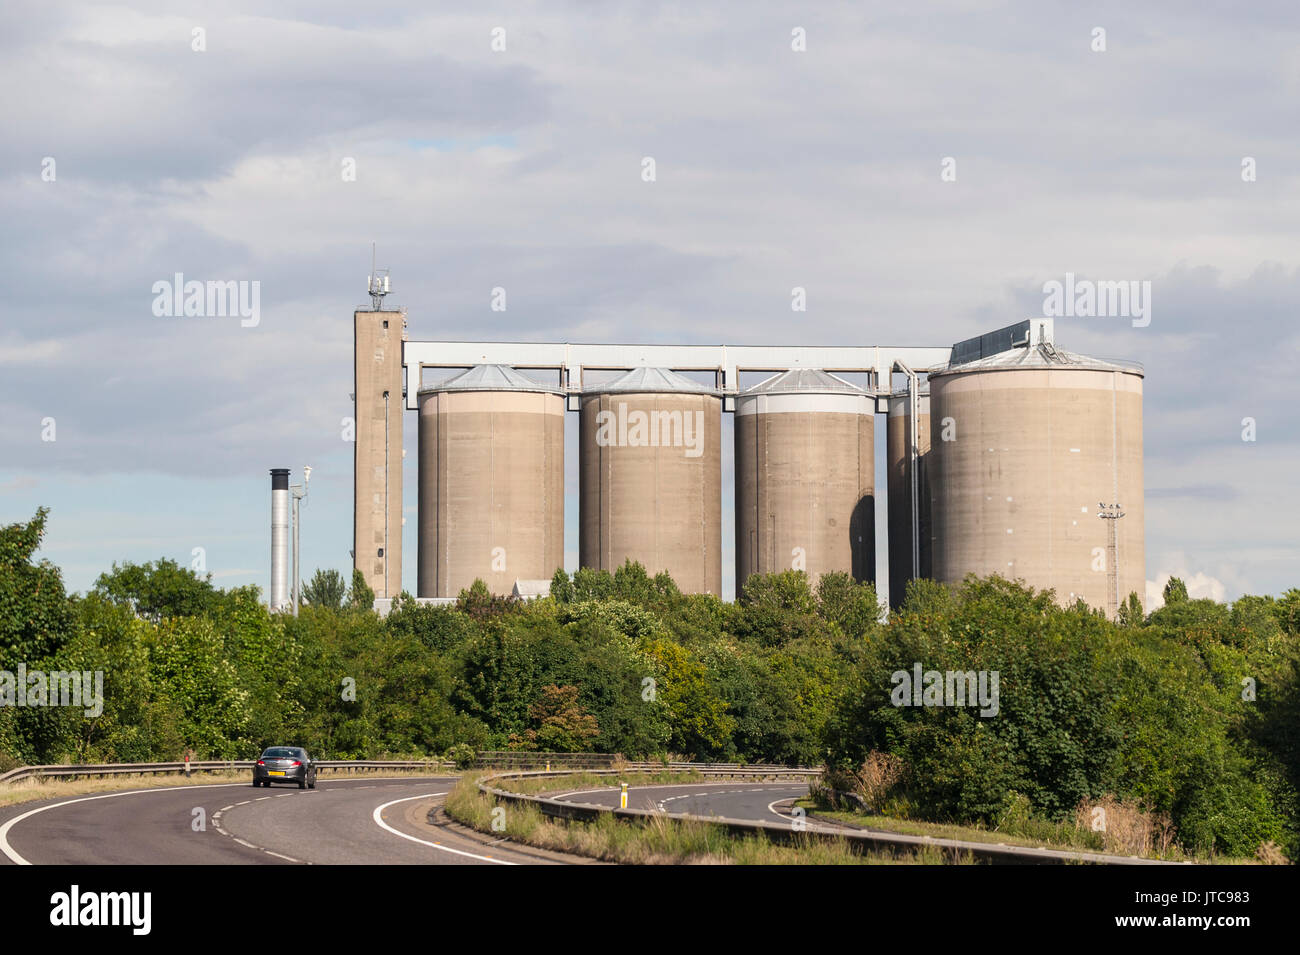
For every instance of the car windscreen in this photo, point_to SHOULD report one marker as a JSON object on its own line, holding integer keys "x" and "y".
{"x": 280, "y": 752}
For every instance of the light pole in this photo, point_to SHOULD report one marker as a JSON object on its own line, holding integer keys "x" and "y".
{"x": 299, "y": 492}
{"x": 1111, "y": 513}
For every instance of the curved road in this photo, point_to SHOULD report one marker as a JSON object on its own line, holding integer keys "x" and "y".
{"x": 342, "y": 822}
{"x": 363, "y": 821}
{"x": 751, "y": 802}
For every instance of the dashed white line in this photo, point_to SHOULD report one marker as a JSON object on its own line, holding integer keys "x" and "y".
{"x": 15, "y": 858}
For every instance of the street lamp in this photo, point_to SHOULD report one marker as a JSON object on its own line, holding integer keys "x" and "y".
{"x": 299, "y": 492}
{"x": 1112, "y": 513}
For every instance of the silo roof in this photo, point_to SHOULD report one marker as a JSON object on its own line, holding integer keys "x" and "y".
{"x": 653, "y": 381}
{"x": 808, "y": 381}
{"x": 1039, "y": 357}
{"x": 491, "y": 378}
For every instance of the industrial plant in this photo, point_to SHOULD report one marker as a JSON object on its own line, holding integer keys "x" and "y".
{"x": 1004, "y": 454}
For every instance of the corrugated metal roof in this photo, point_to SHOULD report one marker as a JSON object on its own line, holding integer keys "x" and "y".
{"x": 491, "y": 378}
{"x": 809, "y": 381}
{"x": 1038, "y": 358}
{"x": 652, "y": 381}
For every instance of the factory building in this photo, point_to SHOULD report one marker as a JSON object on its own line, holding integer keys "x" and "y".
{"x": 1035, "y": 467}
{"x": 1005, "y": 454}
{"x": 805, "y": 477}
{"x": 650, "y": 465}
{"x": 491, "y": 481}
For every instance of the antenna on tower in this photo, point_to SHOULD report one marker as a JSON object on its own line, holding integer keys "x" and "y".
{"x": 377, "y": 283}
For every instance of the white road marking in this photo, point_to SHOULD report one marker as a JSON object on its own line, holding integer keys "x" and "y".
{"x": 16, "y": 859}
{"x": 377, "y": 815}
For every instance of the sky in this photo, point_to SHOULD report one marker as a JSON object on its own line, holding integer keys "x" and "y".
{"x": 922, "y": 170}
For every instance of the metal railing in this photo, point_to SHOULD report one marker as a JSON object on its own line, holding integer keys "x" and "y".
{"x": 504, "y": 759}
{"x": 71, "y": 771}
{"x": 788, "y": 834}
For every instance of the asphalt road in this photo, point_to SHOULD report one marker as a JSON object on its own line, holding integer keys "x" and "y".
{"x": 752, "y": 802}
{"x": 341, "y": 822}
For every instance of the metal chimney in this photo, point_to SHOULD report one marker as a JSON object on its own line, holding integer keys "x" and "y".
{"x": 279, "y": 538}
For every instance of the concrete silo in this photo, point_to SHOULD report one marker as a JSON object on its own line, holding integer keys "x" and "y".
{"x": 805, "y": 477}
{"x": 651, "y": 477}
{"x": 1032, "y": 449}
{"x": 491, "y": 481}
{"x": 898, "y": 469}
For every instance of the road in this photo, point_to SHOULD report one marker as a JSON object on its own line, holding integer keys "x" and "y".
{"x": 752, "y": 802}
{"x": 341, "y": 822}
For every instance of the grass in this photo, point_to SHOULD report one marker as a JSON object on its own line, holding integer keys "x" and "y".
{"x": 1034, "y": 833}
{"x": 660, "y": 840}
{"x": 530, "y": 785}
{"x": 30, "y": 790}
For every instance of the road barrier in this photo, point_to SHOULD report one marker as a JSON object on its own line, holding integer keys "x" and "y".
{"x": 72, "y": 771}
{"x": 787, "y": 833}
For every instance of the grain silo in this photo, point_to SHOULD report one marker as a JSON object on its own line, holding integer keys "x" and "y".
{"x": 1035, "y": 453}
{"x": 898, "y": 468}
{"x": 805, "y": 477}
{"x": 651, "y": 477}
{"x": 491, "y": 481}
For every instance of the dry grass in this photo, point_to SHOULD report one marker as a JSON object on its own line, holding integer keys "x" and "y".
{"x": 1270, "y": 853}
{"x": 31, "y": 790}
{"x": 1127, "y": 828}
{"x": 661, "y": 840}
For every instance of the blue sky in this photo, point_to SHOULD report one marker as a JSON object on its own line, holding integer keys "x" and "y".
{"x": 521, "y": 169}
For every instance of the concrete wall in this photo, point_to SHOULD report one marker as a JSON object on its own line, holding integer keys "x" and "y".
{"x": 660, "y": 506}
{"x": 805, "y": 485}
{"x": 491, "y": 489}
{"x": 1017, "y": 490}
{"x": 377, "y": 353}
{"x": 898, "y": 469}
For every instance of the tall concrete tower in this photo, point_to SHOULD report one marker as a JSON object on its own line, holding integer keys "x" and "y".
{"x": 377, "y": 460}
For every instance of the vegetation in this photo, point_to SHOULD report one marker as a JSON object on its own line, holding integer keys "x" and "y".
{"x": 661, "y": 840}
{"x": 1185, "y": 715}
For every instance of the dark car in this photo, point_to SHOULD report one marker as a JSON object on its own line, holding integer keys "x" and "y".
{"x": 285, "y": 764}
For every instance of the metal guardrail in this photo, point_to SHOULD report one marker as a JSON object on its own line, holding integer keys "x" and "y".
{"x": 202, "y": 766}
{"x": 788, "y": 835}
{"x": 508, "y": 760}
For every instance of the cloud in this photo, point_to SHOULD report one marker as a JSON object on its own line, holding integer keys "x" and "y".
{"x": 522, "y": 170}
{"x": 1199, "y": 585}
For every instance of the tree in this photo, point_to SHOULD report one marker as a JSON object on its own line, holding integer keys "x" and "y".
{"x": 1175, "y": 591}
{"x": 562, "y": 724}
{"x": 361, "y": 595}
{"x": 561, "y": 587}
{"x": 850, "y": 605}
{"x": 34, "y": 616}
{"x": 159, "y": 590}
{"x": 1130, "y": 612}
{"x": 1287, "y": 610}
{"x": 327, "y": 589}
{"x": 777, "y": 608}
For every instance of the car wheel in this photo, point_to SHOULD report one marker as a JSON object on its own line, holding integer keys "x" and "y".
{"x": 302, "y": 784}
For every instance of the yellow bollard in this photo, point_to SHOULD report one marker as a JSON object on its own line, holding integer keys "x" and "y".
{"x": 548, "y": 765}
{"x": 622, "y": 799}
